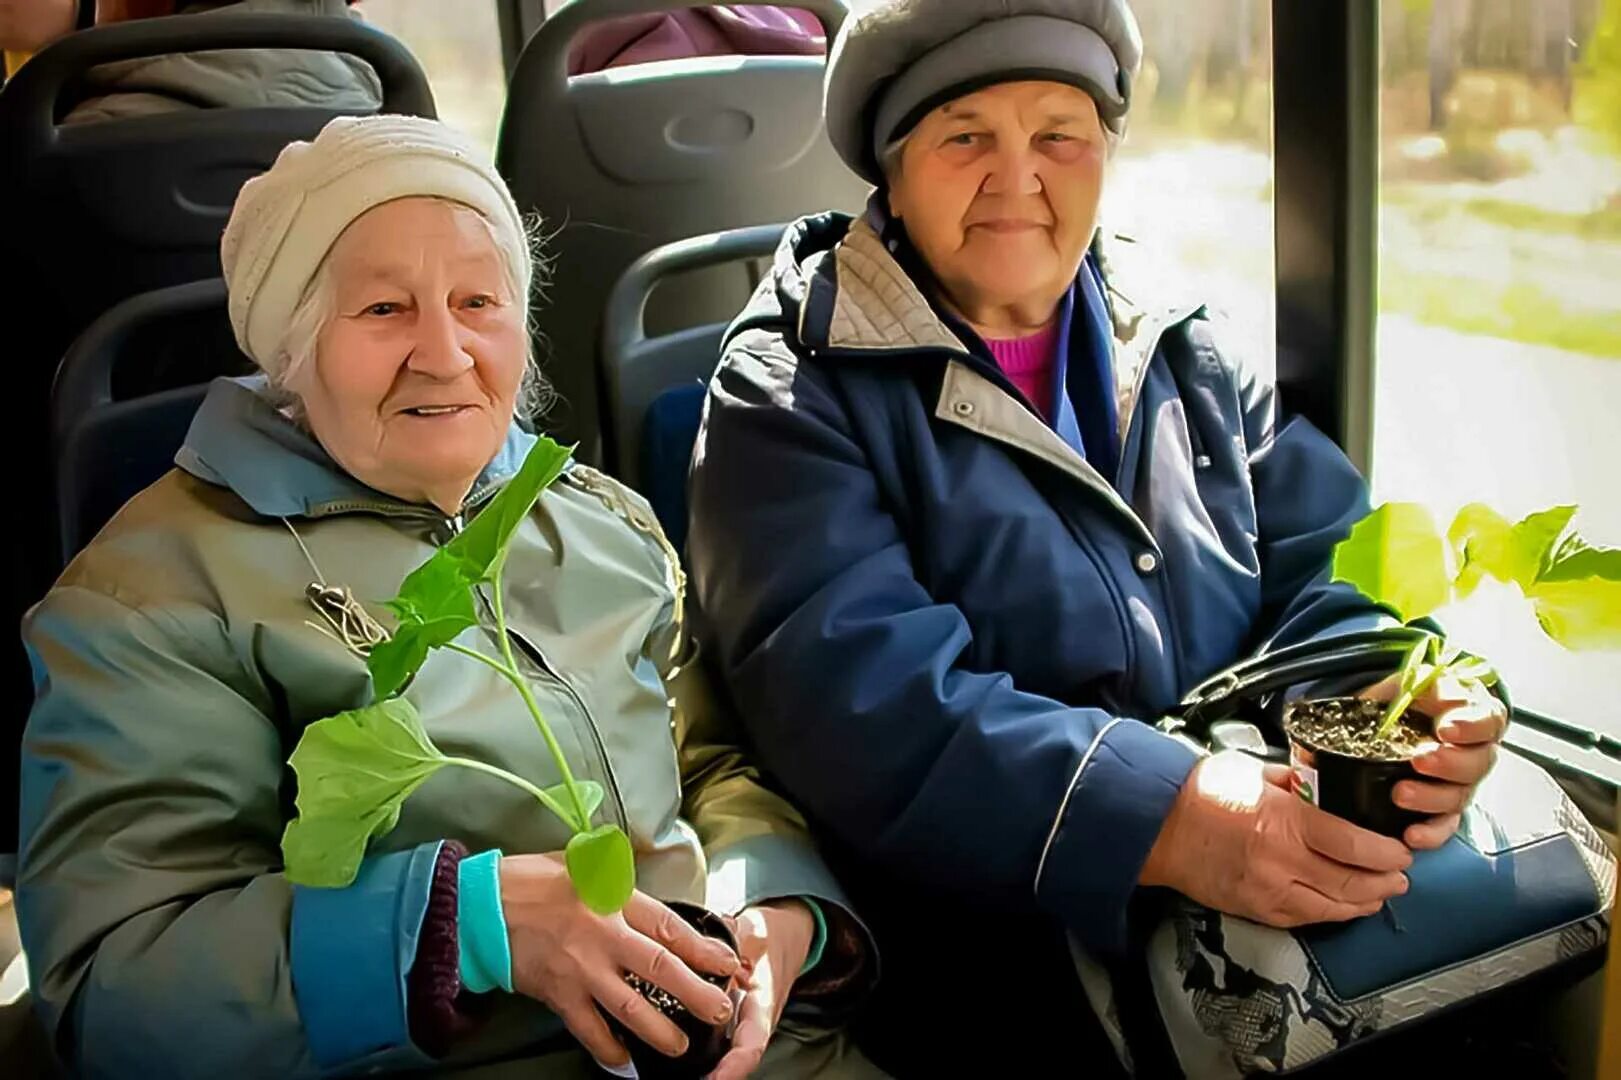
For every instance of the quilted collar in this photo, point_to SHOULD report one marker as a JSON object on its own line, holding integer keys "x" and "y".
{"x": 861, "y": 299}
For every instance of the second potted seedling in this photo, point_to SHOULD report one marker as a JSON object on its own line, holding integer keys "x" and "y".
{"x": 1348, "y": 754}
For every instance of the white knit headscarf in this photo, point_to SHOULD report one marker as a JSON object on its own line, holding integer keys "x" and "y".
{"x": 286, "y": 220}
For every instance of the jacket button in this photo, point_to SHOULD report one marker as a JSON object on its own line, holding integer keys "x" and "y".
{"x": 1147, "y": 563}
{"x": 963, "y": 408}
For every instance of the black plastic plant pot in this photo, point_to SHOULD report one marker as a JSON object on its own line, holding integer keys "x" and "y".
{"x": 1341, "y": 766}
{"x": 706, "y": 1043}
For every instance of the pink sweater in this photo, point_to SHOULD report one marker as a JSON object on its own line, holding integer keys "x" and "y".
{"x": 1029, "y": 362}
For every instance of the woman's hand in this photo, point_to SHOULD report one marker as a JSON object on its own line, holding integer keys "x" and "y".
{"x": 775, "y": 938}
{"x": 1239, "y": 840}
{"x": 1469, "y": 723}
{"x": 574, "y": 960}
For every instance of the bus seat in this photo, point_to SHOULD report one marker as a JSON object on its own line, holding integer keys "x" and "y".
{"x": 113, "y": 427}
{"x": 654, "y": 386}
{"x": 149, "y": 196}
{"x": 620, "y": 161}
{"x": 668, "y": 435}
{"x": 98, "y": 212}
{"x": 107, "y": 446}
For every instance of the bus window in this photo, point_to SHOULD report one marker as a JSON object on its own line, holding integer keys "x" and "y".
{"x": 1193, "y": 180}
{"x": 1499, "y": 335}
{"x": 459, "y": 46}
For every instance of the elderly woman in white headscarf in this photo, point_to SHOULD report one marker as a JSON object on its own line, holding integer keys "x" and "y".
{"x": 380, "y": 276}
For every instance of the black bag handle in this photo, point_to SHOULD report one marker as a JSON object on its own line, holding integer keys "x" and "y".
{"x": 1362, "y": 652}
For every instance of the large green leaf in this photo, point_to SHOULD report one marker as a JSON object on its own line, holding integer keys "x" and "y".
{"x": 393, "y": 662}
{"x": 480, "y": 547}
{"x": 354, "y": 770}
{"x": 435, "y": 601}
{"x": 1396, "y": 557}
{"x": 435, "y": 591}
{"x": 1578, "y": 596}
{"x": 602, "y": 867}
{"x": 435, "y": 606}
{"x": 1487, "y": 545}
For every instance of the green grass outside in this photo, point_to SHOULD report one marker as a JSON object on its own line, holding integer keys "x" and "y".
{"x": 1602, "y": 224}
{"x": 1520, "y": 312}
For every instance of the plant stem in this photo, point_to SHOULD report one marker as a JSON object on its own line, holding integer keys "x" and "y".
{"x": 583, "y": 818}
{"x": 506, "y": 672}
{"x": 494, "y": 770}
{"x": 1401, "y": 702}
{"x": 1404, "y": 681}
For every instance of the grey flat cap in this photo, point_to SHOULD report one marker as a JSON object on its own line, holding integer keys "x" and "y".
{"x": 895, "y": 60}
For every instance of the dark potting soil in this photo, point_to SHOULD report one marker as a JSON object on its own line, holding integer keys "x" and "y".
{"x": 1348, "y": 726}
{"x": 660, "y": 998}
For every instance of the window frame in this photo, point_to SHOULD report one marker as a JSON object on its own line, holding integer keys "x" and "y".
{"x": 518, "y": 20}
{"x": 1325, "y": 63}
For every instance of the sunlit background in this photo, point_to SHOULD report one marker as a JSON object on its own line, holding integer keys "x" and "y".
{"x": 1499, "y": 337}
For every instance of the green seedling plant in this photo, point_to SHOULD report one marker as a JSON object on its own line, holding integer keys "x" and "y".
{"x": 1398, "y": 558}
{"x": 356, "y": 769}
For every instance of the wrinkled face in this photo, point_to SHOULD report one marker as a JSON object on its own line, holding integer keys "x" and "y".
{"x": 417, "y": 372}
{"x": 999, "y": 191}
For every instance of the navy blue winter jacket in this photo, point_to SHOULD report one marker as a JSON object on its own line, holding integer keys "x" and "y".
{"x": 944, "y": 627}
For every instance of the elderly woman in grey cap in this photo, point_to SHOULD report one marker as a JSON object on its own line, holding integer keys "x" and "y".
{"x": 972, "y": 501}
{"x": 380, "y": 276}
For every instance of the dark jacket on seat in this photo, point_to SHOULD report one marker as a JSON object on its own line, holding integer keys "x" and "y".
{"x": 233, "y": 78}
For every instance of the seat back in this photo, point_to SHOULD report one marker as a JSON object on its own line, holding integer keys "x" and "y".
{"x": 621, "y": 161}
{"x": 655, "y": 385}
{"x": 107, "y": 447}
{"x": 97, "y": 212}
{"x": 120, "y": 207}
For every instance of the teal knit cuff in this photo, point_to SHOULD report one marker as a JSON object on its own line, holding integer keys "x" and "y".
{"x": 485, "y": 956}
{"x": 819, "y": 942}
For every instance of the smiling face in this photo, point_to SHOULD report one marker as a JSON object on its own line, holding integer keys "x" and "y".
{"x": 417, "y": 371}
{"x": 999, "y": 192}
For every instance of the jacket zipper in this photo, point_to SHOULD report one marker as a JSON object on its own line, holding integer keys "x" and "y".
{"x": 1159, "y": 330}
{"x": 532, "y": 652}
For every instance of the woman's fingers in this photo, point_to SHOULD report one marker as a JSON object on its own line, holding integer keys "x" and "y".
{"x": 1465, "y": 713}
{"x": 1337, "y": 839}
{"x": 1279, "y": 776}
{"x": 1348, "y": 884}
{"x": 664, "y": 969}
{"x": 1446, "y": 693}
{"x": 1302, "y": 906}
{"x": 623, "y": 1002}
{"x": 656, "y": 921}
{"x": 586, "y": 1024}
{"x": 1467, "y": 765}
{"x": 1471, "y": 725}
{"x": 1431, "y": 834}
{"x": 748, "y": 1045}
{"x": 1428, "y": 798}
